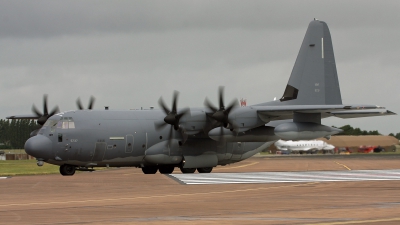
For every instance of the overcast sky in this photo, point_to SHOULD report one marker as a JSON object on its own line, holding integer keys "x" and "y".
{"x": 129, "y": 53}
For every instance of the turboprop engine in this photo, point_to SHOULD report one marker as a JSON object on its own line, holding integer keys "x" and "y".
{"x": 304, "y": 131}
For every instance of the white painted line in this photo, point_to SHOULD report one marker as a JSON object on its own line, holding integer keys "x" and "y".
{"x": 3, "y": 177}
{"x": 288, "y": 177}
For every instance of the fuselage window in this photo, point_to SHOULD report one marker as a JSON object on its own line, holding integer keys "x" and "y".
{"x": 60, "y": 139}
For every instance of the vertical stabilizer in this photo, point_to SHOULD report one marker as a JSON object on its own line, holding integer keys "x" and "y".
{"x": 314, "y": 79}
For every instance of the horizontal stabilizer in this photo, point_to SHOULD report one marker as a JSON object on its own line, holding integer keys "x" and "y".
{"x": 283, "y": 112}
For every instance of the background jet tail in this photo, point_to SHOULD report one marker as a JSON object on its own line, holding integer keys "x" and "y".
{"x": 314, "y": 79}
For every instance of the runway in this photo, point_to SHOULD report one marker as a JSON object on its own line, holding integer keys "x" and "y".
{"x": 288, "y": 177}
{"x": 126, "y": 196}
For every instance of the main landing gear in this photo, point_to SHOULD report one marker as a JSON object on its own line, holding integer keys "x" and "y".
{"x": 204, "y": 170}
{"x": 170, "y": 169}
{"x": 67, "y": 170}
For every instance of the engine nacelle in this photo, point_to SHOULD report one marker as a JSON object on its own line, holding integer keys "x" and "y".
{"x": 161, "y": 153}
{"x": 304, "y": 131}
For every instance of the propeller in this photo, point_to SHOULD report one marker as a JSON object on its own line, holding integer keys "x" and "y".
{"x": 172, "y": 117}
{"x": 221, "y": 114}
{"x": 42, "y": 117}
{"x": 90, "y": 106}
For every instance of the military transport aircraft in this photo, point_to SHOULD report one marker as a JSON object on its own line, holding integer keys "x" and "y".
{"x": 200, "y": 138}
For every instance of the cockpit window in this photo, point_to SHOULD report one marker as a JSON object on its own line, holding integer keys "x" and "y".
{"x": 50, "y": 123}
{"x": 66, "y": 123}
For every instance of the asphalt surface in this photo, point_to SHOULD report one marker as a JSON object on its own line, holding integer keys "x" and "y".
{"x": 126, "y": 196}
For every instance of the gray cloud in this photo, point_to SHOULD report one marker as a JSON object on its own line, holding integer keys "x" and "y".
{"x": 129, "y": 53}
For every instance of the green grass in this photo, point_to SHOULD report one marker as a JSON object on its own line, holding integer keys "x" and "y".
{"x": 25, "y": 167}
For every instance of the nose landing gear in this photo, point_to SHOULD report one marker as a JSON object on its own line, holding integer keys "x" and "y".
{"x": 67, "y": 170}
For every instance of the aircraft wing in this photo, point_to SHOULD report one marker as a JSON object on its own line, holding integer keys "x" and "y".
{"x": 22, "y": 117}
{"x": 268, "y": 113}
{"x": 361, "y": 113}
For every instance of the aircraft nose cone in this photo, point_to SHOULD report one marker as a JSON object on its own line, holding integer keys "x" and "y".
{"x": 39, "y": 146}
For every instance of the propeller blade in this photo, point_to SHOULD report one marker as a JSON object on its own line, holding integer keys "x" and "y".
{"x": 159, "y": 125}
{"x": 221, "y": 97}
{"x": 209, "y": 105}
{"x": 170, "y": 136}
{"x": 182, "y": 113}
{"x": 184, "y": 135}
{"x": 79, "y": 104}
{"x": 45, "y": 112}
{"x": 91, "y": 102}
{"x": 174, "y": 101}
{"x": 36, "y": 111}
{"x": 163, "y": 105}
{"x": 232, "y": 105}
{"x": 54, "y": 111}
{"x": 221, "y": 139}
{"x": 90, "y": 106}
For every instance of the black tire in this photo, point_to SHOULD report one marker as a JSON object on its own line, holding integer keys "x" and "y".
{"x": 187, "y": 170}
{"x": 150, "y": 169}
{"x": 67, "y": 170}
{"x": 205, "y": 170}
{"x": 166, "y": 169}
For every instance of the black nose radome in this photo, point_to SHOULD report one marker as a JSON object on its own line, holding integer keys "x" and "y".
{"x": 39, "y": 146}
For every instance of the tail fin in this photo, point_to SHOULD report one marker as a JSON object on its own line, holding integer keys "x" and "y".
{"x": 314, "y": 79}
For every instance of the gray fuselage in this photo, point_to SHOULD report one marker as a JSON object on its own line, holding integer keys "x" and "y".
{"x": 90, "y": 138}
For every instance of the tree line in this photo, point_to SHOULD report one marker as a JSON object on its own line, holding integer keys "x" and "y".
{"x": 14, "y": 133}
{"x": 349, "y": 130}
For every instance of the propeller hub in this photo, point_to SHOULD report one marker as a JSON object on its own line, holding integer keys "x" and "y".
{"x": 170, "y": 119}
{"x": 220, "y": 116}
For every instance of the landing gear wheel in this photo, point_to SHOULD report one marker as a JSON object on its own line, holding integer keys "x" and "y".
{"x": 67, "y": 170}
{"x": 205, "y": 170}
{"x": 150, "y": 169}
{"x": 166, "y": 169}
{"x": 187, "y": 170}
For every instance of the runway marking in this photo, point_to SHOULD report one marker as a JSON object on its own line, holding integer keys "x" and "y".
{"x": 287, "y": 177}
{"x": 343, "y": 165}
{"x": 358, "y": 221}
{"x": 250, "y": 164}
{"x": 4, "y": 177}
{"x": 159, "y": 196}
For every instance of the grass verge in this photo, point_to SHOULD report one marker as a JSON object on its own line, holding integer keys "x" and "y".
{"x": 25, "y": 167}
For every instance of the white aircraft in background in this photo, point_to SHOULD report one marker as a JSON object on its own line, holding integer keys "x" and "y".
{"x": 304, "y": 146}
